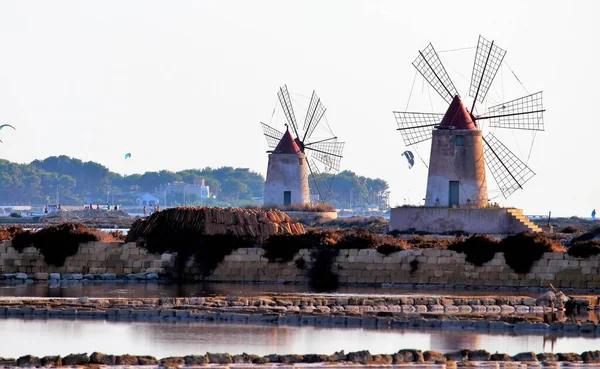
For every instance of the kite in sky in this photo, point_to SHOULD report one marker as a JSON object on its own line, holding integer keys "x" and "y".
{"x": 6, "y": 125}
{"x": 410, "y": 157}
{"x": 128, "y": 155}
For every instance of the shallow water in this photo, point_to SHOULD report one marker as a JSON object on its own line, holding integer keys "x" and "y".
{"x": 154, "y": 289}
{"x": 47, "y": 337}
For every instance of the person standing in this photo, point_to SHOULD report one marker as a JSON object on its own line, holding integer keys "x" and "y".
{"x": 594, "y": 214}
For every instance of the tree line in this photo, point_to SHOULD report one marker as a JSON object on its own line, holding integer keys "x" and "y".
{"x": 75, "y": 182}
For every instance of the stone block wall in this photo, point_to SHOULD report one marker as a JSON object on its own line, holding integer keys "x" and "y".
{"x": 428, "y": 266}
{"x": 92, "y": 258}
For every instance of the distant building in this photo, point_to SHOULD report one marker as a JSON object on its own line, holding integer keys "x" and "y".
{"x": 147, "y": 199}
{"x": 199, "y": 188}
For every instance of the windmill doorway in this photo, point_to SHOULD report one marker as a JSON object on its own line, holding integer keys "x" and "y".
{"x": 287, "y": 197}
{"x": 453, "y": 193}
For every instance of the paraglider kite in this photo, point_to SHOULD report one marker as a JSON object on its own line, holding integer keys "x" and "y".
{"x": 410, "y": 157}
{"x": 128, "y": 155}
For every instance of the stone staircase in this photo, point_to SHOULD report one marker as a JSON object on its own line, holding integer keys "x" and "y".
{"x": 521, "y": 222}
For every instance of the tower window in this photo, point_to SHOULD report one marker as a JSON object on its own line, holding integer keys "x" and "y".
{"x": 460, "y": 140}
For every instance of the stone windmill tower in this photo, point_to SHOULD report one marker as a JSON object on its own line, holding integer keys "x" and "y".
{"x": 459, "y": 150}
{"x": 287, "y": 177}
{"x": 296, "y": 161}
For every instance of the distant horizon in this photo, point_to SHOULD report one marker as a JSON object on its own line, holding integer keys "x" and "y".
{"x": 527, "y": 214}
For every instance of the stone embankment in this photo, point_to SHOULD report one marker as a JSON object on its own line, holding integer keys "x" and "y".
{"x": 100, "y": 261}
{"x": 484, "y": 313}
{"x": 462, "y": 358}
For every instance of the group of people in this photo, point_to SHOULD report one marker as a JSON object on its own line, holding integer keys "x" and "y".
{"x": 155, "y": 209}
{"x": 91, "y": 207}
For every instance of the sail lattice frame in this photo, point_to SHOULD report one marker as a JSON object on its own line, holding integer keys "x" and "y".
{"x": 315, "y": 112}
{"x": 288, "y": 109}
{"x": 320, "y": 181}
{"x": 272, "y": 135}
{"x": 416, "y": 127}
{"x": 509, "y": 172}
{"x": 329, "y": 153}
{"x": 488, "y": 59}
{"x": 428, "y": 63}
{"x": 523, "y": 113}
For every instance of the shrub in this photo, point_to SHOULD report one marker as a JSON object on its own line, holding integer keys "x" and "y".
{"x": 390, "y": 248}
{"x": 479, "y": 249}
{"x": 212, "y": 249}
{"x": 587, "y": 236}
{"x": 523, "y": 249}
{"x": 358, "y": 241}
{"x": 321, "y": 276}
{"x": 584, "y": 249}
{"x": 55, "y": 243}
{"x": 570, "y": 229}
{"x": 414, "y": 266}
{"x": 423, "y": 242}
{"x": 376, "y": 225}
{"x": 7, "y": 234}
{"x": 283, "y": 248}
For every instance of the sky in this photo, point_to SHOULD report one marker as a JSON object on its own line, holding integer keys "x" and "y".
{"x": 185, "y": 84}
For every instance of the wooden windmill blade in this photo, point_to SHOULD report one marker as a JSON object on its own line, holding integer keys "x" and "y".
{"x": 488, "y": 59}
{"x": 272, "y": 135}
{"x": 509, "y": 172}
{"x": 416, "y": 127}
{"x": 328, "y": 153}
{"x": 428, "y": 63}
{"x": 524, "y": 113}
{"x": 315, "y": 112}
{"x": 288, "y": 109}
{"x": 320, "y": 181}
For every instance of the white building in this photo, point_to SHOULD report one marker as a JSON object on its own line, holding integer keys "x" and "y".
{"x": 147, "y": 199}
{"x": 200, "y": 189}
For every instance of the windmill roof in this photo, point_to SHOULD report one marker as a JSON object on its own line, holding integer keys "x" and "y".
{"x": 457, "y": 116}
{"x": 287, "y": 145}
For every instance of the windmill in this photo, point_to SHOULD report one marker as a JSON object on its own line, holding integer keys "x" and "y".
{"x": 459, "y": 150}
{"x": 322, "y": 155}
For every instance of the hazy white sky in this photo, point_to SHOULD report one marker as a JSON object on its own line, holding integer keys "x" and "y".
{"x": 185, "y": 84}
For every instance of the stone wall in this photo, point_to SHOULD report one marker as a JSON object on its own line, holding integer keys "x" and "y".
{"x": 429, "y": 266}
{"x": 444, "y": 219}
{"x": 92, "y": 258}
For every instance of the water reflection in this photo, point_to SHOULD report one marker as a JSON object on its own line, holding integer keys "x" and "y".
{"x": 46, "y": 337}
{"x": 155, "y": 289}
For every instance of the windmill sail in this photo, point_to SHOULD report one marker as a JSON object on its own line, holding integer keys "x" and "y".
{"x": 321, "y": 182}
{"x": 523, "y": 113}
{"x": 431, "y": 68}
{"x": 416, "y": 127}
{"x": 509, "y": 172}
{"x": 328, "y": 153}
{"x": 315, "y": 112}
{"x": 272, "y": 135}
{"x": 288, "y": 109}
{"x": 487, "y": 62}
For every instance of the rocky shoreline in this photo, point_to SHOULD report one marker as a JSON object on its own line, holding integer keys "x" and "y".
{"x": 507, "y": 314}
{"x": 461, "y": 358}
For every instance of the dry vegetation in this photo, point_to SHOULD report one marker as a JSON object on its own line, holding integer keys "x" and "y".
{"x": 58, "y": 242}
{"x": 520, "y": 250}
{"x": 377, "y": 225}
